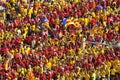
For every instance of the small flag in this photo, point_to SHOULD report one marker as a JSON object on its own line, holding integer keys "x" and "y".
{"x": 64, "y": 21}
{"x": 45, "y": 19}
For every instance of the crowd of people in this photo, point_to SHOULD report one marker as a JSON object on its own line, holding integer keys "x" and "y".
{"x": 60, "y": 40}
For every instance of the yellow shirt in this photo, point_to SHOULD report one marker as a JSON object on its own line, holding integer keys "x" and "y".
{"x": 90, "y": 18}
{"x": 8, "y": 5}
{"x": 76, "y": 1}
{"x": 24, "y": 35}
{"x": 86, "y": 21}
{"x": 94, "y": 76}
{"x": 87, "y": 77}
{"x": 49, "y": 65}
{"x": 6, "y": 65}
{"x": 113, "y": 71}
{"x": 22, "y": 49}
{"x": 104, "y": 23}
{"x": 93, "y": 14}
{"x": 107, "y": 71}
{"x": 58, "y": 77}
{"x": 81, "y": 19}
{"x": 72, "y": 62}
{"x": 117, "y": 28}
{"x": 25, "y": 11}
{"x": 30, "y": 12}
{"x": 27, "y": 50}
{"x": 72, "y": 75}
{"x": 33, "y": 27}
{"x": 2, "y": 35}
{"x": 63, "y": 77}
{"x": 41, "y": 70}
{"x": 13, "y": 1}
{"x": 117, "y": 68}
{"x": 35, "y": 12}
{"x": 4, "y": 15}
{"x": 80, "y": 51}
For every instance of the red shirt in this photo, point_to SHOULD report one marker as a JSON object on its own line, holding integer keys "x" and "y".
{"x": 108, "y": 20}
{"x": 43, "y": 77}
{"x": 118, "y": 37}
{"x": 36, "y": 21}
{"x": 50, "y": 75}
{"x": 104, "y": 3}
{"x": 28, "y": 40}
{"x": 52, "y": 21}
{"x": 16, "y": 22}
{"x": 12, "y": 26}
{"x": 48, "y": 17}
{"x": 93, "y": 21}
{"x": 4, "y": 28}
{"x": 1, "y": 25}
{"x": 110, "y": 36}
{"x": 5, "y": 50}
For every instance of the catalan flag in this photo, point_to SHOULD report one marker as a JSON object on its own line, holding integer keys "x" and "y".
{"x": 46, "y": 23}
{"x": 72, "y": 21}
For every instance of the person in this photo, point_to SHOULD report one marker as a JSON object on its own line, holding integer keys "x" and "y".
{"x": 56, "y": 37}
